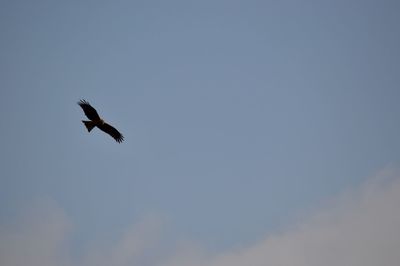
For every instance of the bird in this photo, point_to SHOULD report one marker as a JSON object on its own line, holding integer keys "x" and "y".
{"x": 97, "y": 121}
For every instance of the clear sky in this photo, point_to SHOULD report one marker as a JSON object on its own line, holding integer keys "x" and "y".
{"x": 239, "y": 117}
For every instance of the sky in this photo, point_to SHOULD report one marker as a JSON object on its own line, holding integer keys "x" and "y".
{"x": 256, "y": 132}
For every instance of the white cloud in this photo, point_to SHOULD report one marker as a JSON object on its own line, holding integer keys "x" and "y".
{"x": 131, "y": 249}
{"x": 358, "y": 228}
{"x": 40, "y": 239}
{"x": 36, "y": 239}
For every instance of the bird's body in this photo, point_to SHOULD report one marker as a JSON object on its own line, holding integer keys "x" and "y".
{"x": 97, "y": 121}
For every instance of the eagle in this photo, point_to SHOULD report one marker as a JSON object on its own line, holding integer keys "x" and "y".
{"x": 97, "y": 121}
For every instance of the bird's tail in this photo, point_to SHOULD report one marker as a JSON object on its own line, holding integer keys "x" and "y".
{"x": 89, "y": 125}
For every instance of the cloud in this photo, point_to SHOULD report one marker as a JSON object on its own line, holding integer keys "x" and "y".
{"x": 360, "y": 227}
{"x": 36, "y": 239}
{"x": 131, "y": 249}
{"x": 40, "y": 238}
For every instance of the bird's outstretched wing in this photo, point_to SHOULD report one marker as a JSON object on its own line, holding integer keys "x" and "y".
{"x": 112, "y": 132}
{"x": 90, "y": 112}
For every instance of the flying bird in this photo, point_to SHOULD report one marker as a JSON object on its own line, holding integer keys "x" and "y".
{"x": 97, "y": 121}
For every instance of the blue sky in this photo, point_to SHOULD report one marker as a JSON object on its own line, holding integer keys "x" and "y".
{"x": 238, "y": 116}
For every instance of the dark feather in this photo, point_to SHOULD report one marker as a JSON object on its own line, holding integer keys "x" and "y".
{"x": 90, "y": 112}
{"x": 112, "y": 132}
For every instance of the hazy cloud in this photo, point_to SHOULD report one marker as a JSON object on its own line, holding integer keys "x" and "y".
{"x": 40, "y": 238}
{"x": 131, "y": 249}
{"x": 37, "y": 238}
{"x": 361, "y": 227}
